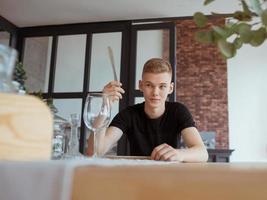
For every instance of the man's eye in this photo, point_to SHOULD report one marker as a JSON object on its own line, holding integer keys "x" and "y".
{"x": 163, "y": 86}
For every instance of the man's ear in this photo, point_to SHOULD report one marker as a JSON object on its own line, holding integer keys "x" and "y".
{"x": 140, "y": 86}
{"x": 171, "y": 88}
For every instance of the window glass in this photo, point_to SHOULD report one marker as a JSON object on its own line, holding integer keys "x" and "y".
{"x": 101, "y": 71}
{"x": 150, "y": 44}
{"x": 36, "y": 63}
{"x": 66, "y": 107}
{"x": 70, "y": 63}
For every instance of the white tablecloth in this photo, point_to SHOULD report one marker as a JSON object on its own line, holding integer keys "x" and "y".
{"x": 49, "y": 180}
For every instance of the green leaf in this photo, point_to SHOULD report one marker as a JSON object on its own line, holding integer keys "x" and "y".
{"x": 238, "y": 43}
{"x": 245, "y": 7}
{"x": 244, "y": 30}
{"x": 206, "y": 2}
{"x": 256, "y": 6}
{"x": 204, "y": 37}
{"x": 38, "y": 94}
{"x": 227, "y": 49}
{"x": 224, "y": 15}
{"x": 225, "y": 31}
{"x": 242, "y": 16}
{"x": 216, "y": 37}
{"x": 264, "y": 17}
{"x": 19, "y": 75}
{"x": 258, "y": 37}
{"x": 232, "y": 27}
{"x": 221, "y": 31}
{"x": 200, "y": 19}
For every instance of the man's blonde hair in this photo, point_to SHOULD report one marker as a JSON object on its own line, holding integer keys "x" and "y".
{"x": 157, "y": 65}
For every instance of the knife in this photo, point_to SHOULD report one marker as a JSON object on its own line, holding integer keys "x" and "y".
{"x": 111, "y": 58}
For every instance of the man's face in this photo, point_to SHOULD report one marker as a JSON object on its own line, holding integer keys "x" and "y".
{"x": 156, "y": 87}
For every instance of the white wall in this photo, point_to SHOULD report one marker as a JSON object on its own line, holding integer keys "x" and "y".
{"x": 247, "y": 100}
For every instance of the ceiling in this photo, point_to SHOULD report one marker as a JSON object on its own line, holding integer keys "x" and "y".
{"x": 25, "y": 13}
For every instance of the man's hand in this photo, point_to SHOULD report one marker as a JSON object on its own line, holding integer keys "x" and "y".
{"x": 165, "y": 152}
{"x": 114, "y": 90}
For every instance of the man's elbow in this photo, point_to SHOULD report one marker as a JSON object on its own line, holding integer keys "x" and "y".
{"x": 204, "y": 154}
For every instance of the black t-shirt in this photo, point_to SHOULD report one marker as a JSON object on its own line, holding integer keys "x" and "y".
{"x": 144, "y": 134}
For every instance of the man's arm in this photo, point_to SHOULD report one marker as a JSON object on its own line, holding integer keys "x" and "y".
{"x": 106, "y": 139}
{"x": 195, "y": 151}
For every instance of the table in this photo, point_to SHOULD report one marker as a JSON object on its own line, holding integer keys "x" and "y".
{"x": 209, "y": 181}
{"x": 112, "y": 179}
{"x": 51, "y": 180}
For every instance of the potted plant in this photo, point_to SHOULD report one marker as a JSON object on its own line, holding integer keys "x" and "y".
{"x": 245, "y": 26}
{"x": 19, "y": 78}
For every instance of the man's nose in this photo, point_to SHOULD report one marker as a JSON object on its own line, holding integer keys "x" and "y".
{"x": 155, "y": 91}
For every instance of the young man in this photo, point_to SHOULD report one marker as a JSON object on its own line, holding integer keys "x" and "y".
{"x": 154, "y": 128}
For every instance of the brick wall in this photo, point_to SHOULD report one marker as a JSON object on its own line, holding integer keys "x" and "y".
{"x": 201, "y": 81}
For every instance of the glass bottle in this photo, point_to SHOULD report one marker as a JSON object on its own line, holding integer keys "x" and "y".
{"x": 73, "y": 143}
{"x": 8, "y": 57}
{"x": 60, "y": 136}
{"x": 58, "y": 141}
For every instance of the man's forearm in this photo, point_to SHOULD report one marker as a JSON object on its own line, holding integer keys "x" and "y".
{"x": 193, "y": 154}
{"x": 100, "y": 143}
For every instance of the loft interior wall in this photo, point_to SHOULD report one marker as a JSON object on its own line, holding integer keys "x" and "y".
{"x": 202, "y": 82}
{"x": 247, "y": 97}
{"x": 247, "y": 94}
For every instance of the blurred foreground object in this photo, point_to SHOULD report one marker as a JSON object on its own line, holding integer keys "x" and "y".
{"x": 245, "y": 26}
{"x": 25, "y": 128}
{"x": 7, "y": 61}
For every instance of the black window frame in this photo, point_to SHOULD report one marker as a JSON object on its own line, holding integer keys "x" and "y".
{"x": 9, "y": 27}
{"x": 123, "y": 146}
{"x": 143, "y": 27}
{"x": 127, "y": 62}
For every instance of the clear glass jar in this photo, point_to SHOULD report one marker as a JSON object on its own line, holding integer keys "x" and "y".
{"x": 73, "y": 139}
{"x": 8, "y": 58}
{"x": 58, "y": 142}
{"x": 60, "y": 139}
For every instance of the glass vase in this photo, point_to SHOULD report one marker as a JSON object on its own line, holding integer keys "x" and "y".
{"x": 8, "y": 58}
{"x": 73, "y": 141}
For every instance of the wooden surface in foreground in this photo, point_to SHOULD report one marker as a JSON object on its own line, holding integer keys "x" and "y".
{"x": 25, "y": 128}
{"x": 208, "y": 181}
{"x": 129, "y": 157}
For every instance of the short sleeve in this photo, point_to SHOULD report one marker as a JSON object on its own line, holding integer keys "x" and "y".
{"x": 121, "y": 120}
{"x": 186, "y": 118}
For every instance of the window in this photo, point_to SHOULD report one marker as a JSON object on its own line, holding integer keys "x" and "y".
{"x": 66, "y": 62}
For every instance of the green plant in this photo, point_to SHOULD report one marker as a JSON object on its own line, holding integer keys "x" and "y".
{"x": 246, "y": 26}
{"x": 48, "y": 101}
{"x": 19, "y": 75}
